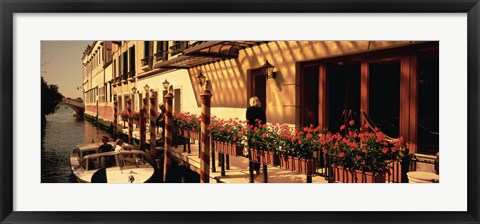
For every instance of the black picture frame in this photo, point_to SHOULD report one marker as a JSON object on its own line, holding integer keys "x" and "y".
{"x": 9, "y": 7}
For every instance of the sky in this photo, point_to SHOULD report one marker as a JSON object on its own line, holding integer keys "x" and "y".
{"x": 63, "y": 65}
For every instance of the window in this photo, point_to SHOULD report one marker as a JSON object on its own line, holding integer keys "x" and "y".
{"x": 384, "y": 102}
{"x": 179, "y": 46}
{"x": 147, "y": 53}
{"x": 132, "y": 61}
{"x": 120, "y": 67}
{"x": 162, "y": 50}
{"x": 125, "y": 65}
{"x": 428, "y": 102}
{"x": 114, "y": 70}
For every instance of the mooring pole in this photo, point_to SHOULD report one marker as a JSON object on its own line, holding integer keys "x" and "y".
{"x": 130, "y": 121}
{"x": 205, "y": 136}
{"x": 115, "y": 116}
{"x": 168, "y": 131}
{"x": 152, "y": 115}
{"x": 143, "y": 123}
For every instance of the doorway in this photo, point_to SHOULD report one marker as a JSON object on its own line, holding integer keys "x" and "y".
{"x": 343, "y": 94}
{"x": 259, "y": 87}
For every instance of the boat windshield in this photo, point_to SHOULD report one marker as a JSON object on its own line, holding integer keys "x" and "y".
{"x": 114, "y": 159}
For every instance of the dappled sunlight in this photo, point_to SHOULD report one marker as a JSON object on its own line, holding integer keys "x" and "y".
{"x": 229, "y": 79}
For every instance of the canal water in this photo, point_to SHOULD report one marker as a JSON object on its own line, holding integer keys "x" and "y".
{"x": 61, "y": 134}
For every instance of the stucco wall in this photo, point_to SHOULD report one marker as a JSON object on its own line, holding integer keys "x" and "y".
{"x": 230, "y": 82}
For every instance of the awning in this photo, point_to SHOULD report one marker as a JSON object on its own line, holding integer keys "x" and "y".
{"x": 203, "y": 52}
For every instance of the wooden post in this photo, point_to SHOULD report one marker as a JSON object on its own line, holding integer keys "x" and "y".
{"x": 221, "y": 157}
{"x": 250, "y": 166}
{"x": 265, "y": 174}
{"x": 214, "y": 168}
{"x": 168, "y": 132}
{"x": 205, "y": 137}
{"x": 115, "y": 116}
{"x": 309, "y": 176}
{"x": 130, "y": 121}
{"x": 227, "y": 162}
{"x": 143, "y": 123}
{"x": 152, "y": 115}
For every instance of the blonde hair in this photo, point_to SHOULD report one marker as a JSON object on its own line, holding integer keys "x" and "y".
{"x": 255, "y": 102}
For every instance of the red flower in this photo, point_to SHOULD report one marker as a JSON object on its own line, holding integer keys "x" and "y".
{"x": 341, "y": 154}
{"x": 358, "y": 157}
{"x": 305, "y": 129}
{"x": 240, "y": 134}
{"x": 394, "y": 149}
{"x": 385, "y": 150}
{"x": 234, "y": 138}
{"x": 308, "y": 136}
{"x": 299, "y": 141}
{"x": 342, "y": 127}
{"x": 264, "y": 135}
{"x": 351, "y": 123}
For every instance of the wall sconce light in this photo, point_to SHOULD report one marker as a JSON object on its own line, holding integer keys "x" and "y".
{"x": 134, "y": 90}
{"x": 201, "y": 79}
{"x": 146, "y": 88}
{"x": 267, "y": 69}
{"x": 165, "y": 84}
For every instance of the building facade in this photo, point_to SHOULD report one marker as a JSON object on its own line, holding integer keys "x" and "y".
{"x": 392, "y": 85}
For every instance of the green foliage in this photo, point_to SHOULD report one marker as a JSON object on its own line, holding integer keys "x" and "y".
{"x": 50, "y": 98}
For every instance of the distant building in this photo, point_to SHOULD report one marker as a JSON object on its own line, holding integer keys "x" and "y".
{"x": 392, "y": 84}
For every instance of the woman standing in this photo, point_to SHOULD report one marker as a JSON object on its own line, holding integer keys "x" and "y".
{"x": 255, "y": 114}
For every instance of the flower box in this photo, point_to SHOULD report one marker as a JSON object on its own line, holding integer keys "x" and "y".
{"x": 195, "y": 135}
{"x": 228, "y": 149}
{"x": 219, "y": 146}
{"x": 269, "y": 157}
{"x": 305, "y": 166}
{"x": 286, "y": 162}
{"x": 369, "y": 177}
{"x": 256, "y": 155}
{"x": 341, "y": 174}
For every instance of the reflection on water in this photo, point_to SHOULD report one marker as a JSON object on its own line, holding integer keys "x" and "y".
{"x": 61, "y": 134}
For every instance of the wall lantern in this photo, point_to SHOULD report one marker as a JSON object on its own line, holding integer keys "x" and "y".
{"x": 146, "y": 88}
{"x": 134, "y": 90}
{"x": 267, "y": 69}
{"x": 201, "y": 79}
{"x": 165, "y": 84}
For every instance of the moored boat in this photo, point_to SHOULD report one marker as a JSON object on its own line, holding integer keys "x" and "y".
{"x": 127, "y": 166}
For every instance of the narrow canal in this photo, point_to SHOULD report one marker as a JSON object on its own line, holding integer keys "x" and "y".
{"x": 61, "y": 134}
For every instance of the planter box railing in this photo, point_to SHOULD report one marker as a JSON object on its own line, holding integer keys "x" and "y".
{"x": 227, "y": 148}
{"x": 259, "y": 154}
{"x": 396, "y": 173}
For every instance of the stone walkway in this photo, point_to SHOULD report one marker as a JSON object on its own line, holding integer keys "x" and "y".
{"x": 238, "y": 172}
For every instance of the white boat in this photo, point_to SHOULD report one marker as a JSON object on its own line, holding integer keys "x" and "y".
{"x": 85, "y": 161}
